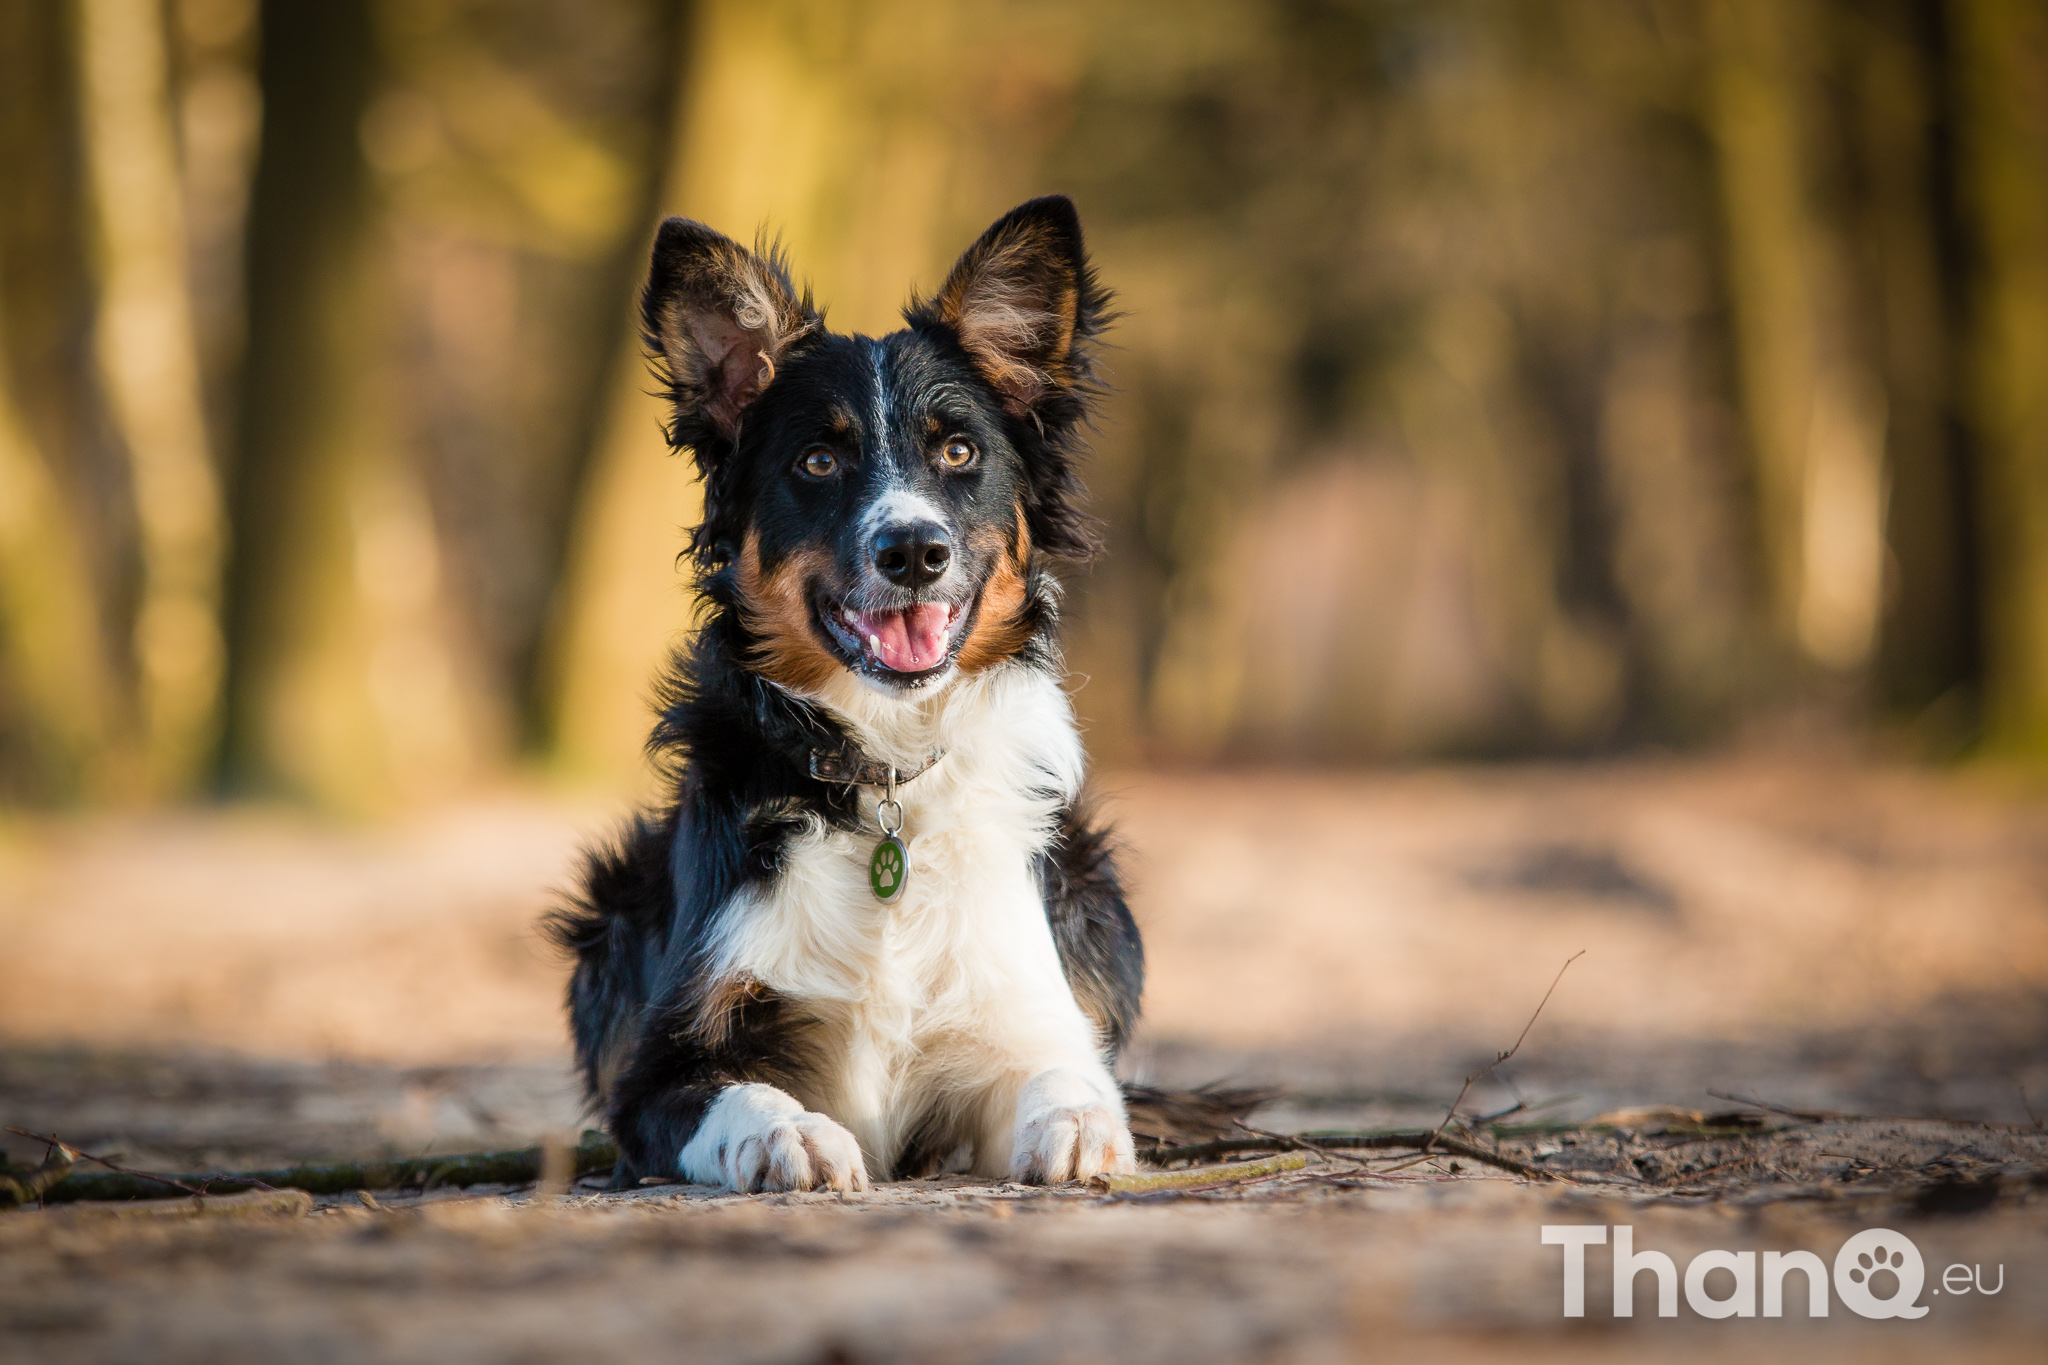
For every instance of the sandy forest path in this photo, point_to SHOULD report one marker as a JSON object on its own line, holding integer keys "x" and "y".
{"x": 243, "y": 990}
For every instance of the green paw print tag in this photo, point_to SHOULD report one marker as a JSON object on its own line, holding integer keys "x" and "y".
{"x": 888, "y": 869}
{"x": 889, "y": 864}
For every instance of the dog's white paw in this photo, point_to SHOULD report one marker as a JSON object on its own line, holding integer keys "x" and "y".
{"x": 756, "y": 1138}
{"x": 1066, "y": 1130}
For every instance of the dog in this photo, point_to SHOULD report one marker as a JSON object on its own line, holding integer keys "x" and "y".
{"x": 874, "y": 930}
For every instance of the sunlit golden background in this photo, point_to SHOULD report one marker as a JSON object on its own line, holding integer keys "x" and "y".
{"x": 1495, "y": 380}
{"x": 1661, "y": 382}
{"x": 1575, "y": 487}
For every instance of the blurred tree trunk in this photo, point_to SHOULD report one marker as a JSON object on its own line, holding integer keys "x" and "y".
{"x": 1930, "y": 646}
{"x": 1815, "y": 414}
{"x": 621, "y": 603}
{"x": 342, "y": 684}
{"x": 64, "y": 534}
{"x": 50, "y": 660}
{"x": 518, "y": 168}
{"x": 148, "y": 356}
{"x": 2001, "y": 78}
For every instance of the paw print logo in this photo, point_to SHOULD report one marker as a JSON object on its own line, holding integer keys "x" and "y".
{"x": 1868, "y": 1263}
{"x": 1874, "y": 1258}
{"x": 885, "y": 870}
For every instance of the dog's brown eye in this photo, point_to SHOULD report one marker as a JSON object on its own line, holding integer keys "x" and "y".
{"x": 957, "y": 454}
{"x": 820, "y": 463}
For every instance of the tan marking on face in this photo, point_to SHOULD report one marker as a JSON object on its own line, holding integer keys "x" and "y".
{"x": 839, "y": 423}
{"x": 777, "y": 610}
{"x": 1001, "y": 629}
{"x": 931, "y": 426}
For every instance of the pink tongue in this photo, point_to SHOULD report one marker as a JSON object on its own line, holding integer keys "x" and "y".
{"x": 908, "y": 641}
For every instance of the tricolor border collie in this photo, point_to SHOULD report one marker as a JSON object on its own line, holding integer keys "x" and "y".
{"x": 873, "y": 932}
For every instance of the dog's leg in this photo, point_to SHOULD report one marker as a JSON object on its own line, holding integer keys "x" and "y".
{"x": 1051, "y": 1110}
{"x": 1070, "y": 1125}
{"x": 1058, "y": 1113}
{"x": 755, "y": 1137}
{"x": 1069, "y": 1119}
{"x": 710, "y": 1115}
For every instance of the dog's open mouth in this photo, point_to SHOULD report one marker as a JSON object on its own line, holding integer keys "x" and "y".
{"x": 911, "y": 640}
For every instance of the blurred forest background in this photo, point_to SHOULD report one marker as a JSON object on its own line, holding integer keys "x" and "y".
{"x": 1496, "y": 379}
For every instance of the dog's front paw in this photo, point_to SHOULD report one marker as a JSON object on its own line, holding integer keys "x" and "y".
{"x": 756, "y": 1138}
{"x": 806, "y": 1151}
{"x": 1066, "y": 1130}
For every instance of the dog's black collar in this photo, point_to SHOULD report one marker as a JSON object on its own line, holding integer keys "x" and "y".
{"x": 851, "y": 768}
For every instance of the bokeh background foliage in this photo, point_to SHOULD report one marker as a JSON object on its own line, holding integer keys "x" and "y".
{"x": 1495, "y": 379}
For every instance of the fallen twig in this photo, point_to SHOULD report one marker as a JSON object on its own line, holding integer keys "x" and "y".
{"x": 1804, "y": 1115}
{"x": 1833, "y": 1116}
{"x": 1425, "y": 1144}
{"x": 1292, "y": 1142}
{"x": 1497, "y": 1115}
{"x": 77, "y": 1155}
{"x": 1331, "y": 1143}
{"x": 1436, "y": 1135}
{"x": 1201, "y": 1177}
{"x": 596, "y": 1152}
{"x": 27, "y": 1187}
{"x": 248, "y": 1204}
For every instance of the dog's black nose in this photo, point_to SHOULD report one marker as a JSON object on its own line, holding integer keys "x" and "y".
{"x": 913, "y": 555}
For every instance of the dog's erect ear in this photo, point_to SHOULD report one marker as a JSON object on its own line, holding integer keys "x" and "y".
{"x": 1024, "y": 303}
{"x": 718, "y": 318}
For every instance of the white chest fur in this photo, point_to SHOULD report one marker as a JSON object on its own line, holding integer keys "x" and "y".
{"x": 940, "y": 1007}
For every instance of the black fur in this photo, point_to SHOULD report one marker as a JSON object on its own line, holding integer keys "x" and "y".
{"x": 733, "y": 745}
{"x": 1092, "y": 926}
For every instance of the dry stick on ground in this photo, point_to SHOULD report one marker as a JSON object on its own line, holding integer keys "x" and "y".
{"x": 1202, "y": 1177}
{"x": 1437, "y": 1134}
{"x": 1497, "y": 1115}
{"x": 1833, "y": 1116}
{"x": 523, "y": 1167}
{"x": 1292, "y": 1142}
{"x": 77, "y": 1155}
{"x": 28, "y": 1187}
{"x": 1804, "y": 1115}
{"x": 1339, "y": 1147}
{"x": 247, "y": 1204}
{"x": 1331, "y": 1144}
{"x": 1427, "y": 1143}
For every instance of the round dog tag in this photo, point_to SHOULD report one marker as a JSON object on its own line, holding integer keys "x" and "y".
{"x": 888, "y": 869}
